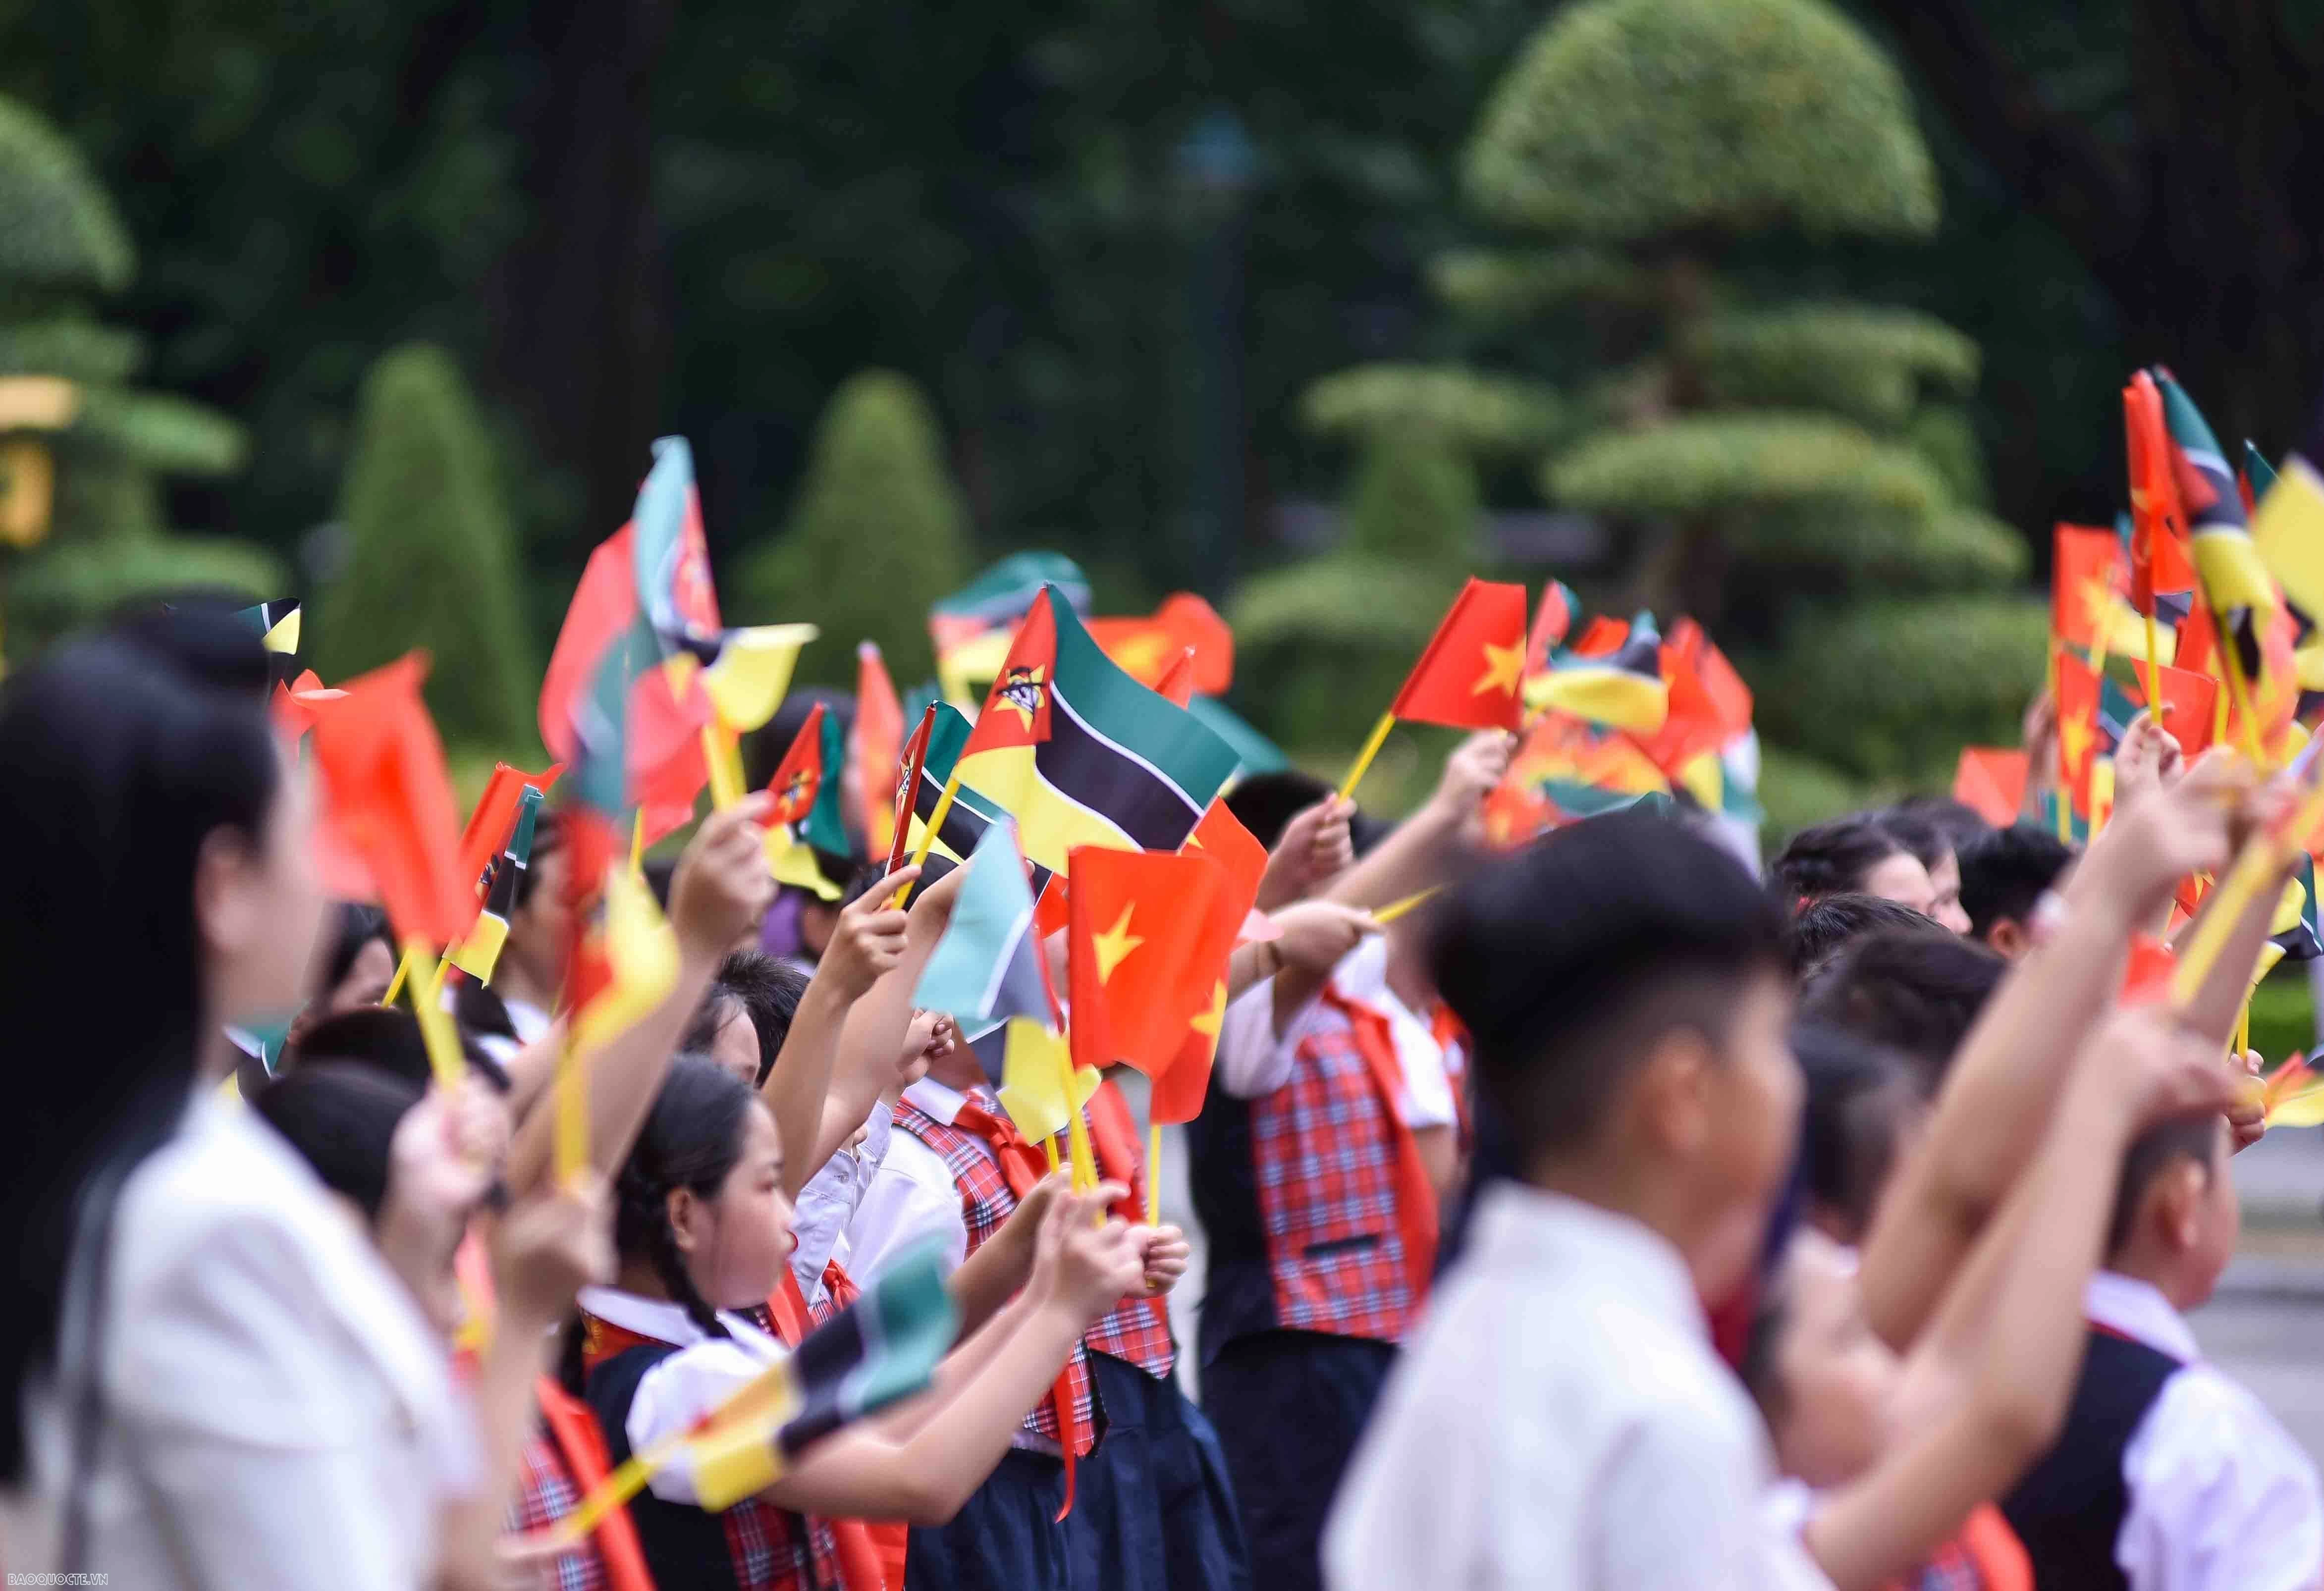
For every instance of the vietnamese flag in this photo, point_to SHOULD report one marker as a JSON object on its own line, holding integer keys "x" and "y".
{"x": 2190, "y": 706}
{"x": 2160, "y": 557}
{"x": 1991, "y": 781}
{"x": 1136, "y": 931}
{"x": 1551, "y": 620}
{"x": 391, "y": 803}
{"x": 1179, "y": 1090}
{"x": 1017, "y": 708}
{"x": 1468, "y": 675}
{"x": 1147, "y": 649}
{"x": 2086, "y": 578}
{"x": 2077, "y": 725}
{"x": 1710, "y": 704}
{"x": 799, "y": 777}
{"x": 878, "y": 745}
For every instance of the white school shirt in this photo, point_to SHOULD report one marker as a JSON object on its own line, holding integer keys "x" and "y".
{"x": 678, "y": 1391}
{"x": 829, "y": 1200}
{"x": 2220, "y": 1497}
{"x": 528, "y": 1020}
{"x": 277, "y": 1413}
{"x": 1252, "y": 1061}
{"x": 1559, "y": 1422}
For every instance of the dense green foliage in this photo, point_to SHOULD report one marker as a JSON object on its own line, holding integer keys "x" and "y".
{"x": 430, "y": 554}
{"x": 105, "y": 540}
{"x": 878, "y": 533}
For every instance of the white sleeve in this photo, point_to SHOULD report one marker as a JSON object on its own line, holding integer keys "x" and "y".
{"x": 829, "y": 1200}
{"x": 910, "y": 1199}
{"x": 1251, "y": 1061}
{"x": 1675, "y": 1507}
{"x": 676, "y": 1394}
{"x": 257, "y": 1432}
{"x": 2220, "y": 1496}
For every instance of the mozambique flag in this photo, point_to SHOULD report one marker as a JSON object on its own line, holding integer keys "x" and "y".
{"x": 276, "y": 625}
{"x": 1138, "y": 959}
{"x": 2294, "y": 931}
{"x": 987, "y": 967}
{"x": 798, "y": 778}
{"x": 1613, "y": 677}
{"x": 479, "y": 950}
{"x": 879, "y": 742}
{"x": 1469, "y": 674}
{"x": 946, "y": 730}
{"x": 2288, "y": 531}
{"x": 670, "y": 558}
{"x": 1080, "y": 753}
{"x": 1552, "y": 622}
{"x": 1148, "y": 648}
{"x": 972, "y": 627}
{"x": 2160, "y": 560}
{"x": 2233, "y": 578}
{"x": 391, "y": 802}
{"x": 2256, "y": 478}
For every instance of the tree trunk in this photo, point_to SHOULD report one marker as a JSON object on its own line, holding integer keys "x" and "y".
{"x": 583, "y": 332}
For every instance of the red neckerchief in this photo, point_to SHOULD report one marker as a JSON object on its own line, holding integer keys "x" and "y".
{"x": 1416, "y": 1196}
{"x": 573, "y": 1430}
{"x": 600, "y": 1339}
{"x": 1021, "y": 1166}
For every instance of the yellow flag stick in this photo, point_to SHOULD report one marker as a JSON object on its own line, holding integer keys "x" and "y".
{"x": 1390, "y": 913}
{"x": 638, "y": 843}
{"x": 2243, "y": 1028}
{"x": 1153, "y": 1173}
{"x": 402, "y": 975}
{"x": 2253, "y": 869}
{"x": 436, "y": 1030}
{"x": 1077, "y": 1140}
{"x": 2237, "y": 686}
{"x": 2058, "y": 732}
{"x": 1364, "y": 758}
{"x": 1050, "y": 1144}
{"x": 767, "y": 1393}
{"x": 2153, "y": 674}
{"x": 928, "y": 834}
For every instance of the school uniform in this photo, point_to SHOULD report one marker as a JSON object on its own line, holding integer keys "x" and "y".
{"x": 954, "y": 1171}
{"x": 1561, "y": 1423}
{"x": 827, "y": 1203}
{"x": 564, "y": 1457}
{"x": 1322, "y": 1230}
{"x": 650, "y": 1373}
{"x": 1155, "y": 1508}
{"x": 2167, "y": 1476}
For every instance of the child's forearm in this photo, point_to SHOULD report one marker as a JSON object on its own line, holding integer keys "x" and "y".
{"x": 989, "y": 1278}
{"x": 1407, "y": 861}
{"x": 1993, "y": 1107}
{"x": 799, "y": 1082}
{"x": 2221, "y": 1000}
{"x": 502, "y": 1398}
{"x": 624, "y": 1077}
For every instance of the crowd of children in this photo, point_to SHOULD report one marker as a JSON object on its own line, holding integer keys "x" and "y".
{"x": 1613, "y": 1218}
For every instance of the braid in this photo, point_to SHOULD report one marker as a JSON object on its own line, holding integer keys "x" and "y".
{"x": 643, "y": 1221}
{"x": 572, "y": 1372}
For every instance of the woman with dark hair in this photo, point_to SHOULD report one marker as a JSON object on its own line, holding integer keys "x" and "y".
{"x": 1852, "y": 855}
{"x": 216, "y": 1381}
{"x": 1931, "y": 845}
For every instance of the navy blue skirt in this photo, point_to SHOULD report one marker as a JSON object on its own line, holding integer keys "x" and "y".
{"x": 1288, "y": 1407}
{"x": 1006, "y": 1538}
{"x": 1153, "y": 1509}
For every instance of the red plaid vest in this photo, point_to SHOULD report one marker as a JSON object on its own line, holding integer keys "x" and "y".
{"x": 545, "y": 1494}
{"x": 1137, "y": 1330}
{"x": 1324, "y": 1150}
{"x": 985, "y": 1202}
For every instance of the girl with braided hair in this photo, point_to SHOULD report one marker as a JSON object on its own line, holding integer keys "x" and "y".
{"x": 703, "y": 1231}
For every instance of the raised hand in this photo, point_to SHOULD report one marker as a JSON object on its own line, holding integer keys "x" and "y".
{"x": 1317, "y": 935}
{"x": 2190, "y": 826}
{"x": 1098, "y": 1262}
{"x": 1166, "y": 1255}
{"x": 547, "y": 1248}
{"x": 869, "y": 938}
{"x": 721, "y": 886}
{"x": 1316, "y": 846}
{"x": 2148, "y": 759}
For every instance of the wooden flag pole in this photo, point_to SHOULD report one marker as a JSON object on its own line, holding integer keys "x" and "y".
{"x": 1364, "y": 758}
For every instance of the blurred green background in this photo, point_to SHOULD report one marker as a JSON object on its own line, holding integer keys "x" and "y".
{"x": 1805, "y": 318}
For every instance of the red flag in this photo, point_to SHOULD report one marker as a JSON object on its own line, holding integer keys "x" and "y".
{"x": 878, "y": 745}
{"x": 2147, "y": 978}
{"x": 1145, "y": 648}
{"x": 1710, "y": 704}
{"x": 2160, "y": 559}
{"x": 391, "y": 803}
{"x": 2078, "y": 724}
{"x": 909, "y": 767}
{"x": 1177, "y": 681}
{"x": 1469, "y": 675}
{"x": 297, "y": 705}
{"x": 2190, "y": 706}
{"x": 1991, "y": 781}
{"x": 1602, "y": 637}
{"x": 1138, "y": 928}
{"x": 799, "y": 777}
{"x": 603, "y": 606}
{"x": 1551, "y": 621}
{"x": 1179, "y": 1090}
{"x": 1017, "y": 709}
{"x": 2086, "y": 576}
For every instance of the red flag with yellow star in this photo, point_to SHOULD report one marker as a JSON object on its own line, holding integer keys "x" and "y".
{"x": 2088, "y": 576}
{"x": 1137, "y": 930}
{"x": 1468, "y": 675}
{"x": 2079, "y": 733}
{"x": 2189, "y": 705}
{"x": 1179, "y": 1089}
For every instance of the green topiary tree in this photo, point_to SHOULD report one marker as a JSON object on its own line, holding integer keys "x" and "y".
{"x": 430, "y": 554}
{"x": 1781, "y": 470}
{"x": 82, "y": 454}
{"x": 877, "y": 532}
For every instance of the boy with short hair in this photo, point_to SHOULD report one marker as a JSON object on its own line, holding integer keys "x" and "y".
{"x": 2003, "y": 876}
{"x": 2168, "y": 1477}
{"x": 1914, "y": 991}
{"x": 1560, "y": 1420}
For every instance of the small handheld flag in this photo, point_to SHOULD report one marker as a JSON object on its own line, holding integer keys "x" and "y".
{"x": 1469, "y": 675}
